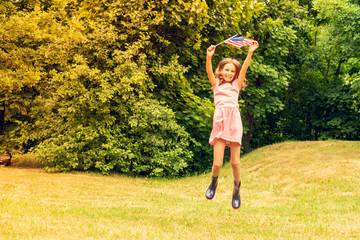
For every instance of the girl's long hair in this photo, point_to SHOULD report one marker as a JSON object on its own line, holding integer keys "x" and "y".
{"x": 237, "y": 65}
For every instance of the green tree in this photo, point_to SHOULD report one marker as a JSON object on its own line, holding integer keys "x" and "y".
{"x": 87, "y": 78}
{"x": 320, "y": 63}
{"x": 269, "y": 76}
{"x": 268, "y": 23}
{"x": 30, "y": 50}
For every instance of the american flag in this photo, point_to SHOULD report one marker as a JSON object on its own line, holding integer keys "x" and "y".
{"x": 239, "y": 41}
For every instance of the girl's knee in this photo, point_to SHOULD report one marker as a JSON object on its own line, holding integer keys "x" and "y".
{"x": 235, "y": 164}
{"x": 217, "y": 165}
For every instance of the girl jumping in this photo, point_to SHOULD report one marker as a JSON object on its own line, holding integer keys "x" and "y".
{"x": 228, "y": 80}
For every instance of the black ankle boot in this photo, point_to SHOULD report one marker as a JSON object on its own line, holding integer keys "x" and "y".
{"x": 210, "y": 192}
{"x": 236, "y": 201}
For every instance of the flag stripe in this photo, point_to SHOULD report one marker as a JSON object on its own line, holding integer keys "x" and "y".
{"x": 239, "y": 41}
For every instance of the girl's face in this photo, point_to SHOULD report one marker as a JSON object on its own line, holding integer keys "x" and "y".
{"x": 228, "y": 72}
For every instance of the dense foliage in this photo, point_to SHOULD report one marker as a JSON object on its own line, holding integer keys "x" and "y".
{"x": 121, "y": 85}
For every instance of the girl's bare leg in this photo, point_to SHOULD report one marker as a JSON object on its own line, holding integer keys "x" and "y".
{"x": 235, "y": 161}
{"x": 219, "y": 148}
{"x": 235, "y": 164}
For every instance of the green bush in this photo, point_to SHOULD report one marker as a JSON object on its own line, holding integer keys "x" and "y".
{"x": 149, "y": 143}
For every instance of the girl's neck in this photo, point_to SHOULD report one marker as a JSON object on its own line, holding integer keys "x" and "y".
{"x": 222, "y": 81}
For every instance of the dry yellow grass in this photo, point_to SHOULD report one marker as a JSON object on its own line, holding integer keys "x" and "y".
{"x": 294, "y": 190}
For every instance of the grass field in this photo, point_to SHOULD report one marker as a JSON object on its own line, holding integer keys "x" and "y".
{"x": 293, "y": 190}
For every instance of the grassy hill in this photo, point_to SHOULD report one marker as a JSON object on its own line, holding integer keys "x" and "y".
{"x": 293, "y": 190}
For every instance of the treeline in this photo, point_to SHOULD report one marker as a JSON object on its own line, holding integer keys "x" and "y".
{"x": 120, "y": 86}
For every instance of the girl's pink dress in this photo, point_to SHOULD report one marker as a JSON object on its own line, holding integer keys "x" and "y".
{"x": 227, "y": 123}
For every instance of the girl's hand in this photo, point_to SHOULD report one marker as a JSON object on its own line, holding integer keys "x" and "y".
{"x": 253, "y": 47}
{"x": 210, "y": 51}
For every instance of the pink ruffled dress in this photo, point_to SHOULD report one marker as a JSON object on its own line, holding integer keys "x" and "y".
{"x": 227, "y": 123}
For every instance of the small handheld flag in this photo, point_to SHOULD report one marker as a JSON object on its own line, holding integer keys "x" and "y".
{"x": 238, "y": 41}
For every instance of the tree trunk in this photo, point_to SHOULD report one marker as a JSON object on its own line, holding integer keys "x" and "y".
{"x": 2, "y": 119}
{"x": 247, "y": 136}
{"x": 327, "y": 70}
{"x": 337, "y": 73}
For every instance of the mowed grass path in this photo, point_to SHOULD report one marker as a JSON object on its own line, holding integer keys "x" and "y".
{"x": 294, "y": 190}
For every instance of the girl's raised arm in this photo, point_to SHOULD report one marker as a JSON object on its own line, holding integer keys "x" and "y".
{"x": 209, "y": 70}
{"x": 246, "y": 63}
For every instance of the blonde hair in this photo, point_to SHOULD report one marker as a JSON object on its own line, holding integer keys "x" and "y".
{"x": 238, "y": 67}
